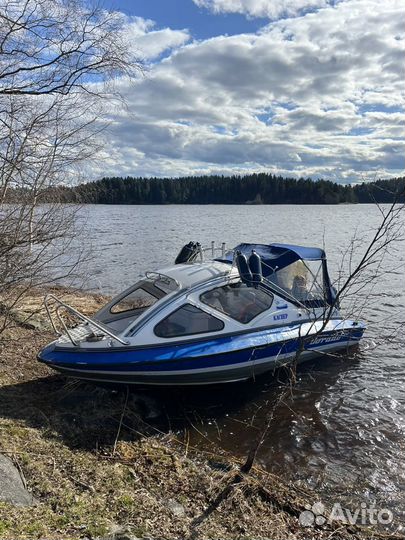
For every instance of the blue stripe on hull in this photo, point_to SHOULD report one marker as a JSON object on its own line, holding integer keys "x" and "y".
{"x": 188, "y": 357}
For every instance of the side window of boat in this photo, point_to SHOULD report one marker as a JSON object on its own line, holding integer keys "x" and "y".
{"x": 238, "y": 301}
{"x": 137, "y": 299}
{"x": 187, "y": 320}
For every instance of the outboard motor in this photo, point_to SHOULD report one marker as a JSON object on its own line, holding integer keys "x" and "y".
{"x": 255, "y": 266}
{"x": 243, "y": 268}
{"x": 188, "y": 253}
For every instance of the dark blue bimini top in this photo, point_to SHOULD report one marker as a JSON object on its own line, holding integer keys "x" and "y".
{"x": 305, "y": 253}
{"x": 277, "y": 256}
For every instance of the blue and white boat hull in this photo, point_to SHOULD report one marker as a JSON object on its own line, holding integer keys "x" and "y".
{"x": 226, "y": 358}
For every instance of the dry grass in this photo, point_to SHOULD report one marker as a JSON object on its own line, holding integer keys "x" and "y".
{"x": 89, "y": 477}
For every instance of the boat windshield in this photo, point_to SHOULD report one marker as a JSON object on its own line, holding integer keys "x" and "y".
{"x": 302, "y": 280}
{"x": 144, "y": 294}
{"x": 132, "y": 303}
{"x": 139, "y": 299}
{"x": 238, "y": 300}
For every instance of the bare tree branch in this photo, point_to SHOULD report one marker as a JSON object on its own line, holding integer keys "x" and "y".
{"x": 58, "y": 62}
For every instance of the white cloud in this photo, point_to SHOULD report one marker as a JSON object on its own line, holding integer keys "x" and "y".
{"x": 155, "y": 43}
{"x": 262, "y": 8}
{"x": 149, "y": 43}
{"x": 319, "y": 95}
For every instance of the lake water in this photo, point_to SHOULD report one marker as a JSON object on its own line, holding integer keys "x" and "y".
{"x": 343, "y": 429}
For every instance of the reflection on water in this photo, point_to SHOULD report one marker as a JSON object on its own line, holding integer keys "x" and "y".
{"x": 342, "y": 429}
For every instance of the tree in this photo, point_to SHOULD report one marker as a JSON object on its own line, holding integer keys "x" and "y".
{"x": 57, "y": 46}
{"x": 58, "y": 62}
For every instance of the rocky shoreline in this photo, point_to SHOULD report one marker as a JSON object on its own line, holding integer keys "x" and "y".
{"x": 81, "y": 461}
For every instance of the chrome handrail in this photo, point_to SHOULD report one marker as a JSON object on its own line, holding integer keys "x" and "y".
{"x": 214, "y": 248}
{"x": 162, "y": 277}
{"x": 77, "y": 313}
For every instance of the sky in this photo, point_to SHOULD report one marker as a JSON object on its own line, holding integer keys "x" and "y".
{"x": 311, "y": 88}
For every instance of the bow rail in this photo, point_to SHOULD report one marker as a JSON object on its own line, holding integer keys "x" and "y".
{"x": 72, "y": 333}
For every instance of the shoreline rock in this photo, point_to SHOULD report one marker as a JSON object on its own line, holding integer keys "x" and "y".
{"x": 12, "y": 488}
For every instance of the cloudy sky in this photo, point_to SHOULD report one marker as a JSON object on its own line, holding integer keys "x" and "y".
{"x": 299, "y": 87}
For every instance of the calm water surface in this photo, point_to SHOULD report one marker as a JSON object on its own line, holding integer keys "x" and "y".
{"x": 343, "y": 429}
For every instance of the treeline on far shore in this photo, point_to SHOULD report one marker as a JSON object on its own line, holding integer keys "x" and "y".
{"x": 250, "y": 189}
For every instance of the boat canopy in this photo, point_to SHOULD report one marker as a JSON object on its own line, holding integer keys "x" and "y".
{"x": 276, "y": 257}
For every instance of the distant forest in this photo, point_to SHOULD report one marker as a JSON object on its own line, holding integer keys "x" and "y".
{"x": 250, "y": 189}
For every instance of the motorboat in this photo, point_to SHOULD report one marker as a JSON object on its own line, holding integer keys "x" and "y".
{"x": 207, "y": 318}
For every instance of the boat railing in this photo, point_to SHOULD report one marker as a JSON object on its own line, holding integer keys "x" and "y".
{"x": 194, "y": 252}
{"x": 213, "y": 249}
{"x": 70, "y": 333}
{"x": 163, "y": 278}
